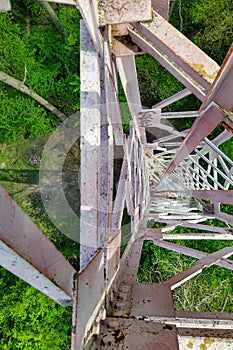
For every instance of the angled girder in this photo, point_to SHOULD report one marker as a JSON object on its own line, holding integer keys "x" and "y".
{"x": 211, "y": 115}
{"x": 220, "y": 91}
{"x": 174, "y": 45}
{"x": 207, "y": 121}
{"x": 29, "y": 254}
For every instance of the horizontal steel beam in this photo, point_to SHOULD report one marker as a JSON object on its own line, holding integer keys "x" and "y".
{"x": 173, "y": 115}
{"x": 162, "y": 7}
{"x": 29, "y": 254}
{"x": 219, "y": 196}
{"x": 198, "y": 236}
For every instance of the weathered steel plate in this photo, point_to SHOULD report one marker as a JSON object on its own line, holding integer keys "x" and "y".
{"x": 122, "y": 46}
{"x": 152, "y": 300}
{"x": 137, "y": 335}
{"x": 113, "y": 258}
{"x": 90, "y": 297}
{"x": 205, "y": 340}
{"x": 162, "y": 7}
{"x": 149, "y": 118}
{"x": 124, "y": 11}
{"x": 5, "y": 6}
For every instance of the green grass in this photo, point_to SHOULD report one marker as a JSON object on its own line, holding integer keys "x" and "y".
{"x": 211, "y": 290}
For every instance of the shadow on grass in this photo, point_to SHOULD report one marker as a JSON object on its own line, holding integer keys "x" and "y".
{"x": 20, "y": 176}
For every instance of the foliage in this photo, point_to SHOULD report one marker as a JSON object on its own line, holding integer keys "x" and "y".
{"x": 27, "y": 120}
{"x": 34, "y": 52}
{"x": 30, "y": 320}
{"x": 208, "y": 24}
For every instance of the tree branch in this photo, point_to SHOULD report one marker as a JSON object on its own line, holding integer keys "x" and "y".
{"x": 50, "y": 11}
{"x": 17, "y": 84}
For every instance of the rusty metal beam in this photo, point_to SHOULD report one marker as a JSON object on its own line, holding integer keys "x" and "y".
{"x": 179, "y": 49}
{"x": 220, "y": 91}
{"x": 66, "y": 2}
{"x": 29, "y": 254}
{"x": 219, "y": 196}
{"x": 221, "y": 338}
{"x": 152, "y": 299}
{"x": 208, "y": 120}
{"x": 125, "y": 333}
{"x": 171, "y": 66}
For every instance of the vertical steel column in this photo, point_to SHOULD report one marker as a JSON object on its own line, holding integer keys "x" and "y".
{"x": 89, "y": 146}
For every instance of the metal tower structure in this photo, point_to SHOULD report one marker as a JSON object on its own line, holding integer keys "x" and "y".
{"x": 182, "y": 178}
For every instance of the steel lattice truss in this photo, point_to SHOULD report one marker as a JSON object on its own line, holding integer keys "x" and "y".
{"x": 182, "y": 178}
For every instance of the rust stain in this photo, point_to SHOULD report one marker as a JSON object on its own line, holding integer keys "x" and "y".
{"x": 229, "y": 113}
{"x": 207, "y": 341}
{"x": 200, "y": 69}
